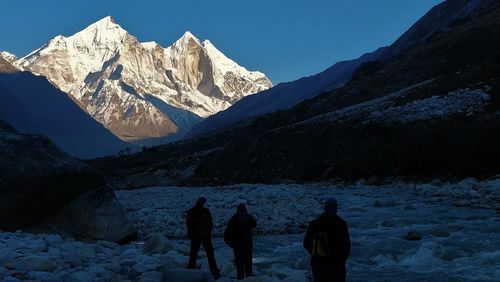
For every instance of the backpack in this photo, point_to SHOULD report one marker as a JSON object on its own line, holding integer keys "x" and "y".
{"x": 320, "y": 245}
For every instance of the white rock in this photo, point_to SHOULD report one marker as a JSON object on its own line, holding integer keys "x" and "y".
{"x": 43, "y": 276}
{"x": 96, "y": 270}
{"x": 34, "y": 263}
{"x": 37, "y": 245}
{"x": 151, "y": 276}
{"x": 82, "y": 276}
{"x": 7, "y": 254}
{"x": 13, "y": 244}
{"x": 185, "y": 275}
{"x": 53, "y": 240}
{"x": 157, "y": 243}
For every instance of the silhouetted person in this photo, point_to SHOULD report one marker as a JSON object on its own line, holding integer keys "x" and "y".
{"x": 327, "y": 240}
{"x": 199, "y": 229}
{"x": 238, "y": 236}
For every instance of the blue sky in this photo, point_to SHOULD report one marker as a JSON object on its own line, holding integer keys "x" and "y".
{"x": 286, "y": 39}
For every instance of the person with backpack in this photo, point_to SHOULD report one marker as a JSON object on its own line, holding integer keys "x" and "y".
{"x": 327, "y": 240}
{"x": 199, "y": 231}
{"x": 238, "y": 236}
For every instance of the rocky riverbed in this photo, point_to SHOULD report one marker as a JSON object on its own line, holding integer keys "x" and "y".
{"x": 410, "y": 232}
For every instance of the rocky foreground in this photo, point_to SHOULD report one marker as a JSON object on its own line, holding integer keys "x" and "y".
{"x": 29, "y": 257}
{"x": 410, "y": 232}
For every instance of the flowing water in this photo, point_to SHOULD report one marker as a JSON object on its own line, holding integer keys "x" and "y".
{"x": 457, "y": 244}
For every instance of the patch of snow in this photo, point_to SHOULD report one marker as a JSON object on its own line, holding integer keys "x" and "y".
{"x": 11, "y": 58}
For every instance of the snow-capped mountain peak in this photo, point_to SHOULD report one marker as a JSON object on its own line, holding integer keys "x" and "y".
{"x": 140, "y": 90}
{"x": 188, "y": 36}
{"x": 103, "y": 31}
{"x": 186, "y": 42}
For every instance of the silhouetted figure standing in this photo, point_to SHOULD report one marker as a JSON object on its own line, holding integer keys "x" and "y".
{"x": 199, "y": 229}
{"x": 327, "y": 240}
{"x": 238, "y": 236}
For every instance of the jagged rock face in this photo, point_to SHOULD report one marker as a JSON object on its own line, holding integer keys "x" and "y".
{"x": 6, "y": 62}
{"x": 140, "y": 90}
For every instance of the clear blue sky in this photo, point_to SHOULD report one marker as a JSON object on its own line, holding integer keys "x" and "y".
{"x": 286, "y": 39}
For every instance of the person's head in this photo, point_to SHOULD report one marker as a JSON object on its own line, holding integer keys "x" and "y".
{"x": 331, "y": 206}
{"x": 201, "y": 201}
{"x": 241, "y": 208}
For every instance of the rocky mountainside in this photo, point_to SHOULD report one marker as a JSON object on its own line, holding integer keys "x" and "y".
{"x": 32, "y": 105}
{"x": 441, "y": 18}
{"x": 142, "y": 90}
{"x": 431, "y": 111}
{"x": 7, "y": 63}
{"x": 285, "y": 95}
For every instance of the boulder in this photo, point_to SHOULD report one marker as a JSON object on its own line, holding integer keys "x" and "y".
{"x": 462, "y": 203}
{"x": 37, "y": 179}
{"x": 151, "y": 276}
{"x": 34, "y": 263}
{"x": 81, "y": 276}
{"x": 96, "y": 215}
{"x": 185, "y": 275}
{"x": 7, "y": 255}
{"x": 412, "y": 236}
{"x": 46, "y": 190}
{"x": 157, "y": 243}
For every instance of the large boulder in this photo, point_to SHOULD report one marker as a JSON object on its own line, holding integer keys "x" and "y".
{"x": 34, "y": 263}
{"x": 40, "y": 183}
{"x": 157, "y": 243}
{"x": 95, "y": 215}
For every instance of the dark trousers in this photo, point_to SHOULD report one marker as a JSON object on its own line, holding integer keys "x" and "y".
{"x": 243, "y": 261}
{"x": 328, "y": 271}
{"x": 209, "y": 250}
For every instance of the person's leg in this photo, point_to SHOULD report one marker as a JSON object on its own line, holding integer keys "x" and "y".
{"x": 339, "y": 273}
{"x": 328, "y": 271}
{"x": 212, "y": 264}
{"x": 248, "y": 263}
{"x": 239, "y": 263}
{"x": 193, "y": 253}
{"x": 315, "y": 271}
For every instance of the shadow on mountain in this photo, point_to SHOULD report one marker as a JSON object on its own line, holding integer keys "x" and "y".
{"x": 32, "y": 105}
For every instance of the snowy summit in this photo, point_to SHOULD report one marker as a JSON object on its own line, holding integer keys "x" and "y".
{"x": 142, "y": 90}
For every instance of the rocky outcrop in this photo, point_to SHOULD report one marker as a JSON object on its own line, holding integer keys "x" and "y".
{"x": 39, "y": 181}
{"x": 6, "y": 63}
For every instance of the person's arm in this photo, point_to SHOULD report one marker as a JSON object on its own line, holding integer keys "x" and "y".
{"x": 210, "y": 220}
{"x": 253, "y": 223}
{"x": 346, "y": 242}
{"x": 189, "y": 224}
